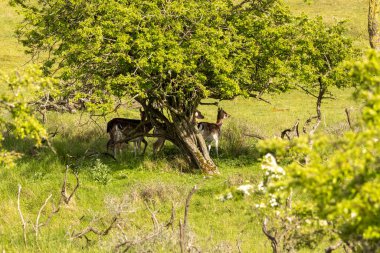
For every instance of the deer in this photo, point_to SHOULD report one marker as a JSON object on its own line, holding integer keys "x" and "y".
{"x": 118, "y": 128}
{"x": 159, "y": 143}
{"x": 211, "y": 131}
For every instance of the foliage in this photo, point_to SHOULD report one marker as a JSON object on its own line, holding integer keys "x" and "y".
{"x": 17, "y": 116}
{"x": 171, "y": 54}
{"x": 176, "y": 52}
{"x": 340, "y": 176}
{"x": 100, "y": 172}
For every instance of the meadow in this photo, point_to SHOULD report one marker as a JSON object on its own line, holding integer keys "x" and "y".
{"x": 133, "y": 188}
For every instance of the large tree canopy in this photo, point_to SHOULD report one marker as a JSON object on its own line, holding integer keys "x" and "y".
{"x": 171, "y": 54}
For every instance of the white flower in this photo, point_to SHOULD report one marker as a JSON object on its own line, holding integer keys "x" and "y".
{"x": 353, "y": 215}
{"x": 273, "y": 201}
{"x": 261, "y": 187}
{"x": 323, "y": 223}
{"x": 270, "y": 165}
{"x": 245, "y": 189}
{"x": 261, "y": 205}
{"x": 224, "y": 197}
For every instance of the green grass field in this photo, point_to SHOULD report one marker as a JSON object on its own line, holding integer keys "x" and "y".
{"x": 133, "y": 183}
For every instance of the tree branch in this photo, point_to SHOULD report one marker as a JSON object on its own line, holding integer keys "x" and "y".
{"x": 20, "y": 213}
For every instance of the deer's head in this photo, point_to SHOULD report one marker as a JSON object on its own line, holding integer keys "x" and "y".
{"x": 222, "y": 114}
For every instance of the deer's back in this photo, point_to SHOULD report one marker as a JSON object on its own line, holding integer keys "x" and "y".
{"x": 122, "y": 123}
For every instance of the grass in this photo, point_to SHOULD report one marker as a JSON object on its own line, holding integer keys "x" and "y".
{"x": 11, "y": 52}
{"x": 217, "y": 226}
{"x": 353, "y": 12}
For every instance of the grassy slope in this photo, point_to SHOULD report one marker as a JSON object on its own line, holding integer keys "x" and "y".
{"x": 354, "y": 12}
{"x": 11, "y": 52}
{"x": 217, "y": 224}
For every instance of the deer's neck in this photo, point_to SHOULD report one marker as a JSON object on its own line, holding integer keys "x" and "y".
{"x": 219, "y": 122}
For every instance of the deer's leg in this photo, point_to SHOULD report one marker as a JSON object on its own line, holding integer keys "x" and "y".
{"x": 157, "y": 146}
{"x": 109, "y": 143}
{"x": 145, "y": 144}
{"x": 135, "y": 147}
{"x": 216, "y": 147}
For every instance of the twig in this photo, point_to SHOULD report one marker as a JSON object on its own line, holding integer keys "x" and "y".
{"x": 238, "y": 242}
{"x": 255, "y": 136}
{"x": 66, "y": 198}
{"x": 293, "y": 129}
{"x": 171, "y": 220}
{"x": 39, "y": 214}
{"x": 348, "y": 118}
{"x": 183, "y": 226}
{"x": 95, "y": 231}
{"x": 209, "y": 103}
{"x": 153, "y": 217}
{"x": 269, "y": 236}
{"x": 308, "y": 121}
{"x": 20, "y": 213}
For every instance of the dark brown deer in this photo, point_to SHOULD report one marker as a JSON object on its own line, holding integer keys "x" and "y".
{"x": 118, "y": 128}
{"x": 159, "y": 143}
{"x": 211, "y": 131}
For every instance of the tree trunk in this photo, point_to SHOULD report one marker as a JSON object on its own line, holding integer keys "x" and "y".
{"x": 373, "y": 23}
{"x": 191, "y": 143}
{"x": 182, "y": 132}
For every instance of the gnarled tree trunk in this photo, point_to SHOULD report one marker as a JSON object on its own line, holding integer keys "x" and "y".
{"x": 373, "y": 24}
{"x": 181, "y": 131}
{"x": 191, "y": 143}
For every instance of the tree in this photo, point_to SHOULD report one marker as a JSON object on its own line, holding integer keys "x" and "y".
{"x": 337, "y": 179}
{"x": 17, "y": 115}
{"x": 167, "y": 54}
{"x": 373, "y": 24}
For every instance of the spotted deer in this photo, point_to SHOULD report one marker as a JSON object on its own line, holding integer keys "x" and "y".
{"x": 119, "y": 128}
{"x": 211, "y": 131}
{"x": 159, "y": 143}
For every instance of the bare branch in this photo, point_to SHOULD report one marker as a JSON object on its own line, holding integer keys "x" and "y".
{"x": 183, "y": 226}
{"x": 308, "y": 121}
{"x": 96, "y": 231}
{"x": 39, "y": 214}
{"x": 66, "y": 198}
{"x": 171, "y": 220}
{"x": 210, "y": 103}
{"x": 20, "y": 213}
{"x": 269, "y": 236}
{"x": 348, "y": 118}
{"x": 257, "y": 136}
{"x": 153, "y": 217}
{"x": 289, "y": 130}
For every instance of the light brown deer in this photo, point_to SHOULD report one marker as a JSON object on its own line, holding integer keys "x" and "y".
{"x": 159, "y": 143}
{"x": 118, "y": 129}
{"x": 211, "y": 132}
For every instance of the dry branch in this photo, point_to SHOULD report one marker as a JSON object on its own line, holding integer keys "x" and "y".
{"x": 348, "y": 118}
{"x": 183, "y": 226}
{"x": 39, "y": 214}
{"x": 289, "y": 130}
{"x": 257, "y": 136}
{"x": 307, "y": 123}
{"x": 64, "y": 196}
{"x": 273, "y": 239}
{"x": 96, "y": 231}
{"x": 20, "y": 213}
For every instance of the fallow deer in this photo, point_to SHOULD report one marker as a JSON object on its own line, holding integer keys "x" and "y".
{"x": 118, "y": 128}
{"x": 159, "y": 143}
{"x": 211, "y": 131}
